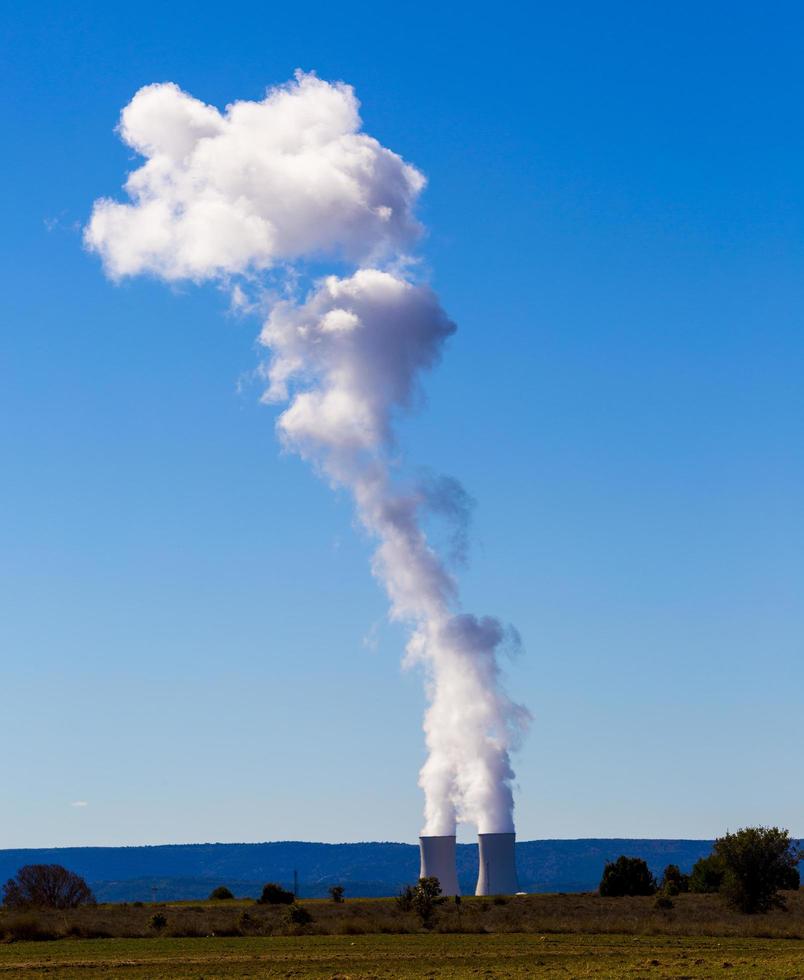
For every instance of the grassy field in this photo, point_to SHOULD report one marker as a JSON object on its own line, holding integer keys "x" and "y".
{"x": 534, "y": 935}
{"x": 406, "y": 956}
{"x": 691, "y": 915}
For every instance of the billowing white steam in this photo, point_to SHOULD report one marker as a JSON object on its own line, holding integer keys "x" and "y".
{"x": 263, "y": 183}
{"x": 254, "y": 188}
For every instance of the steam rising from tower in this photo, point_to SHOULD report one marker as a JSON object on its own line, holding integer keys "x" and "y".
{"x": 238, "y": 197}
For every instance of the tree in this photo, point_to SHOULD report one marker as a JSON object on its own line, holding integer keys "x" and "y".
{"x": 46, "y": 886}
{"x": 758, "y": 863}
{"x": 273, "y": 894}
{"x": 791, "y": 880}
{"x": 336, "y": 893}
{"x": 426, "y": 899}
{"x": 221, "y": 893}
{"x": 673, "y": 881}
{"x": 707, "y": 874}
{"x": 627, "y": 876}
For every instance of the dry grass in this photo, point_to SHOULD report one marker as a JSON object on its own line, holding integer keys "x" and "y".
{"x": 691, "y": 915}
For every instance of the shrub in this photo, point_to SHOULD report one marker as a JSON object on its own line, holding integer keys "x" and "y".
{"x": 46, "y": 886}
{"x": 707, "y": 874}
{"x": 158, "y": 921}
{"x": 663, "y": 902}
{"x": 791, "y": 880}
{"x": 405, "y": 898}
{"x": 297, "y": 915}
{"x": 221, "y": 893}
{"x": 758, "y": 863}
{"x": 673, "y": 881}
{"x": 27, "y": 930}
{"x": 627, "y": 876}
{"x": 336, "y": 893}
{"x": 273, "y": 894}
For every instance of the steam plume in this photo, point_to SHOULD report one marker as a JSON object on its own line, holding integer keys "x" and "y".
{"x": 235, "y": 194}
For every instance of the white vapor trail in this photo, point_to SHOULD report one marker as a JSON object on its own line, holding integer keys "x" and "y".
{"x": 235, "y": 194}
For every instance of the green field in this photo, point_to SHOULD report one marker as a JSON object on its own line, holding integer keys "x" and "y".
{"x": 442, "y": 956}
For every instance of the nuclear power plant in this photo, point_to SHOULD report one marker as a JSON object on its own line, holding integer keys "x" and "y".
{"x": 438, "y": 861}
{"x": 497, "y": 864}
{"x": 497, "y": 871}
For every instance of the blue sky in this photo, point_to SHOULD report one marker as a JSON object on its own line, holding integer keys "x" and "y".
{"x": 615, "y": 210}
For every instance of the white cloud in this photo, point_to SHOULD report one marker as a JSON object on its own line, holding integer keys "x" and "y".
{"x": 79, "y": 803}
{"x": 362, "y": 342}
{"x": 262, "y": 182}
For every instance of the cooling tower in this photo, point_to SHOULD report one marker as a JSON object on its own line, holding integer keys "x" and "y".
{"x": 438, "y": 861}
{"x": 497, "y": 872}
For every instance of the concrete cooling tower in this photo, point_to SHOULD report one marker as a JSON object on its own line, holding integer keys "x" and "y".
{"x": 438, "y": 861}
{"x": 497, "y": 871}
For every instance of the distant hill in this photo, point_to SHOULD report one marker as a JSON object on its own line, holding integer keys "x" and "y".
{"x": 191, "y": 871}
